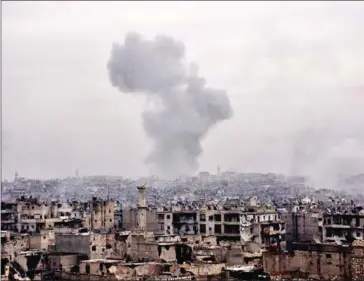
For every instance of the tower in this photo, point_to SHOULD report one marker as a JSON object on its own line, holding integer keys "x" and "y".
{"x": 142, "y": 208}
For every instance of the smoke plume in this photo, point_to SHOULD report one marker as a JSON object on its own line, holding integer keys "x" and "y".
{"x": 187, "y": 108}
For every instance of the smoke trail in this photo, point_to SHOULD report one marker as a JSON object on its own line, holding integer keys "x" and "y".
{"x": 157, "y": 68}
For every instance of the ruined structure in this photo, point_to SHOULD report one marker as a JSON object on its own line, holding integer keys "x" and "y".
{"x": 318, "y": 261}
{"x": 142, "y": 208}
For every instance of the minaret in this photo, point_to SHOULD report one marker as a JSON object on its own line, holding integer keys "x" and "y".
{"x": 142, "y": 208}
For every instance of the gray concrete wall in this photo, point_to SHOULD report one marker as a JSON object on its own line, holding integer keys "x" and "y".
{"x": 72, "y": 243}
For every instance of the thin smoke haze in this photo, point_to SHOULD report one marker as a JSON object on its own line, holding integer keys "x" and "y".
{"x": 187, "y": 108}
{"x": 293, "y": 72}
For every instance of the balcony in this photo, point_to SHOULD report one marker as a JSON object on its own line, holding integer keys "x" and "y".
{"x": 32, "y": 221}
{"x": 338, "y": 226}
{"x": 232, "y": 222}
{"x": 186, "y": 221}
{"x": 7, "y": 221}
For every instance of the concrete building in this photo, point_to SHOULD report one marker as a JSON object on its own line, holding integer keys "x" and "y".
{"x": 345, "y": 227}
{"x": 317, "y": 261}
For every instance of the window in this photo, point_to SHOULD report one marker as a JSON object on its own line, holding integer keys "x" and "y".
{"x": 217, "y": 228}
{"x": 203, "y": 228}
{"x": 168, "y": 217}
{"x": 358, "y": 234}
{"x": 93, "y": 248}
{"x": 217, "y": 217}
{"x": 202, "y": 217}
{"x": 110, "y": 220}
{"x": 87, "y": 269}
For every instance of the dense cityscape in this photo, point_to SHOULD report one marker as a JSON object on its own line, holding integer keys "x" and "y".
{"x": 224, "y": 226}
{"x": 245, "y": 119}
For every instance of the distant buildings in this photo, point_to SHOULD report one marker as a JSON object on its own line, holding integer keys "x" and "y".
{"x": 208, "y": 233}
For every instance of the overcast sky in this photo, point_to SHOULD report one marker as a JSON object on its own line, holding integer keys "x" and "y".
{"x": 294, "y": 73}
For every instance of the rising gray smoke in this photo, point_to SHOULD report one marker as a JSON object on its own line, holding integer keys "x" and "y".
{"x": 157, "y": 68}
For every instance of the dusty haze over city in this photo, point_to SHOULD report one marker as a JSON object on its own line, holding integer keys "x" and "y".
{"x": 293, "y": 73}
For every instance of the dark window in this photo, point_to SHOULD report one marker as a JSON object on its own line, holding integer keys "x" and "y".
{"x": 87, "y": 269}
{"x": 93, "y": 248}
{"x": 217, "y": 228}
{"x": 110, "y": 220}
{"x": 203, "y": 228}
{"x": 168, "y": 217}
{"x": 217, "y": 217}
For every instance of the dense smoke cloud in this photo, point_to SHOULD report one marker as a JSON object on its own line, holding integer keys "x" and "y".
{"x": 188, "y": 110}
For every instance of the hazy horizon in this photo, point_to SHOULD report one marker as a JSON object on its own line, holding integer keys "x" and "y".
{"x": 293, "y": 72}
